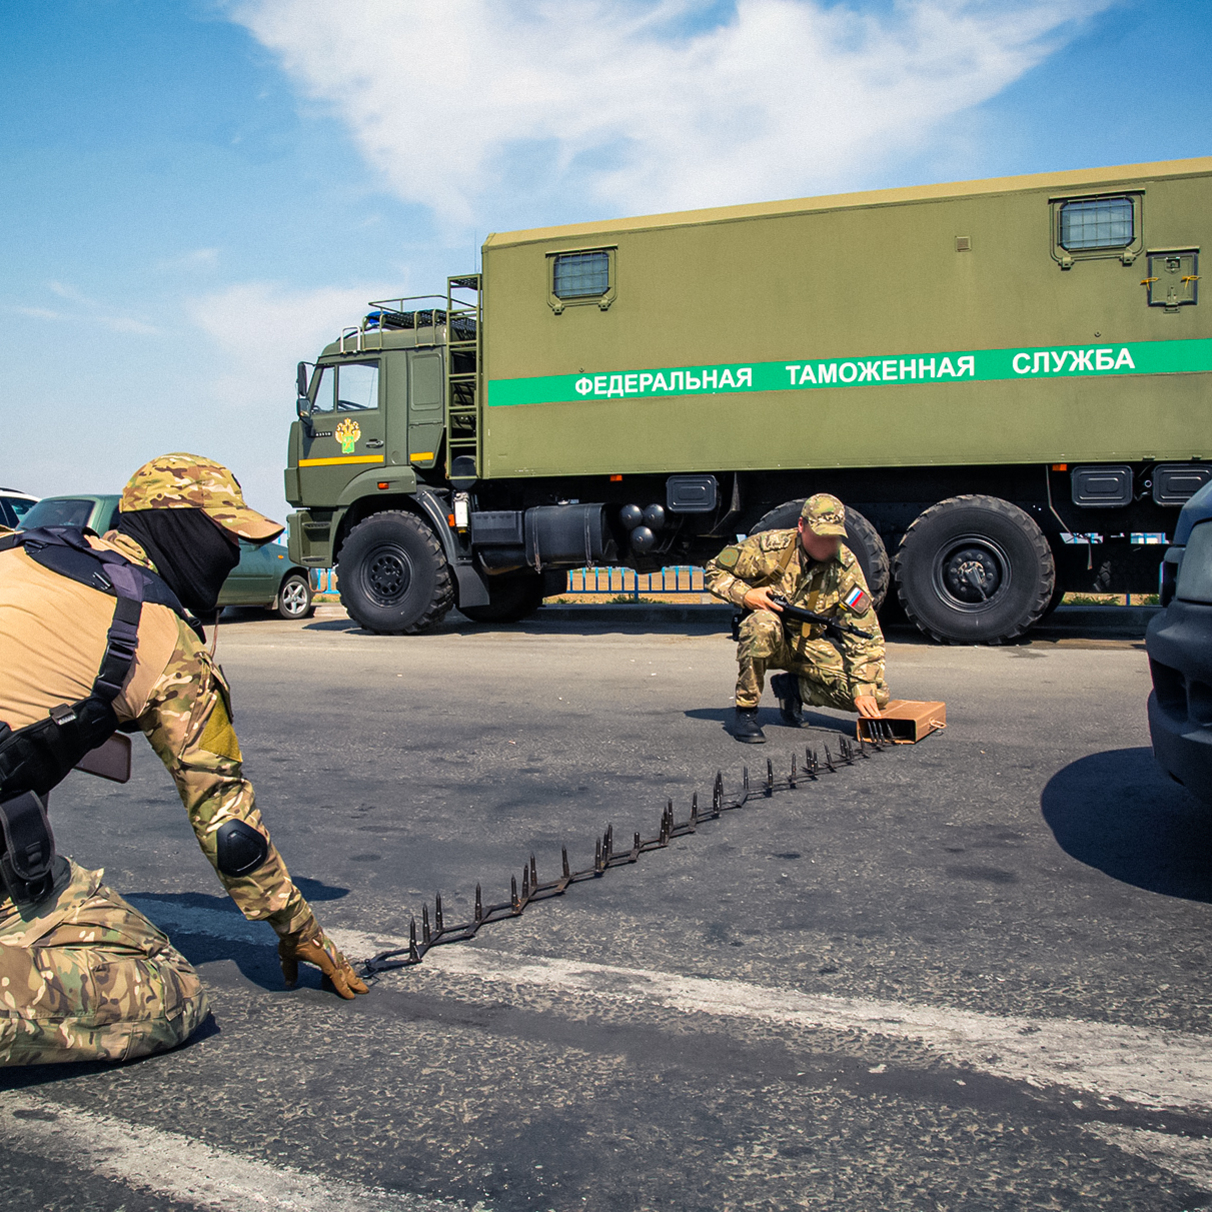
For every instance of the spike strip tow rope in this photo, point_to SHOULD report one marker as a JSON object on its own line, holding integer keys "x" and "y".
{"x": 436, "y": 933}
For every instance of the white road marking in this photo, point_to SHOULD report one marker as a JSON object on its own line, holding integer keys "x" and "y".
{"x": 1182, "y": 1155}
{"x": 1148, "y": 1066}
{"x": 173, "y": 1165}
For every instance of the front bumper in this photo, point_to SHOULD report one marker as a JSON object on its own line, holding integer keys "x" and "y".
{"x": 1179, "y": 643}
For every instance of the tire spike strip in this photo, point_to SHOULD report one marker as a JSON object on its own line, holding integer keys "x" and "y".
{"x": 605, "y": 856}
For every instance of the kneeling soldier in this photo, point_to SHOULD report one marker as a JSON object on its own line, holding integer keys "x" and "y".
{"x": 98, "y": 634}
{"x": 808, "y": 567}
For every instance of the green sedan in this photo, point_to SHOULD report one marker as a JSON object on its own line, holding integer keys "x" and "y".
{"x": 264, "y": 576}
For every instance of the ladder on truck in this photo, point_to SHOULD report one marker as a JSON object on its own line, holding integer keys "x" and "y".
{"x": 464, "y": 351}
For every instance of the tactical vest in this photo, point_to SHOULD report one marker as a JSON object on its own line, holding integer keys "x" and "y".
{"x": 36, "y": 758}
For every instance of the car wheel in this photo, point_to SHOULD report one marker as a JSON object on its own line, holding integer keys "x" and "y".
{"x": 393, "y": 576}
{"x": 861, "y": 537}
{"x": 294, "y": 597}
{"x": 974, "y": 570}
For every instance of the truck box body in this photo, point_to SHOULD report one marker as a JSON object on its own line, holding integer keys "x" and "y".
{"x": 866, "y": 286}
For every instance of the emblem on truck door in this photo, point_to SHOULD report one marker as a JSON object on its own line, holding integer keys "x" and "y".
{"x": 348, "y": 433}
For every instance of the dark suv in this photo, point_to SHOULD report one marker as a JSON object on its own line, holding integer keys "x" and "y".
{"x": 1179, "y": 643}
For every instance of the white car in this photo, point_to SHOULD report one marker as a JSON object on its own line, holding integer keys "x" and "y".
{"x": 14, "y": 506}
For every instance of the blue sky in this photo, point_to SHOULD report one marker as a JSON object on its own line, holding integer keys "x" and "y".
{"x": 196, "y": 193}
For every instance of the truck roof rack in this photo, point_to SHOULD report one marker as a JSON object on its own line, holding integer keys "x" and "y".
{"x": 394, "y": 315}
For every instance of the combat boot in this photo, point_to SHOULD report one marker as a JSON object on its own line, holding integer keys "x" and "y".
{"x": 786, "y": 687}
{"x": 746, "y": 727}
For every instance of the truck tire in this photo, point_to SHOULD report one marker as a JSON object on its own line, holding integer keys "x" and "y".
{"x": 510, "y": 598}
{"x": 861, "y": 537}
{"x": 974, "y": 570}
{"x": 394, "y": 578}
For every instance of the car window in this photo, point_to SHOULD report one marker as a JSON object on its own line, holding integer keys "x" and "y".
{"x": 58, "y": 511}
{"x": 17, "y": 508}
{"x": 1195, "y": 575}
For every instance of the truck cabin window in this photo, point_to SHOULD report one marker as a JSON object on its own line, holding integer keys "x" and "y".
{"x": 1096, "y": 223}
{"x": 580, "y": 275}
{"x": 351, "y": 387}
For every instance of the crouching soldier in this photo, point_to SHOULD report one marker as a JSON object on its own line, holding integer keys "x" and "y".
{"x": 99, "y": 634}
{"x": 808, "y": 567}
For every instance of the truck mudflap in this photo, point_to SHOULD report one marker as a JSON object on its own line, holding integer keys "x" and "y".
{"x": 471, "y": 586}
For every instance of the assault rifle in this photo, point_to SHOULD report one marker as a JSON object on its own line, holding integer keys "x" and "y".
{"x": 798, "y": 614}
{"x": 833, "y": 626}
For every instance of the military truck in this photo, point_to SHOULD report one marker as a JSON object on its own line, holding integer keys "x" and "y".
{"x": 1007, "y": 381}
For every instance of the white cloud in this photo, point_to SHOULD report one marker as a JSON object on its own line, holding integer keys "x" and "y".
{"x": 263, "y": 330}
{"x": 636, "y": 104}
{"x": 91, "y": 311}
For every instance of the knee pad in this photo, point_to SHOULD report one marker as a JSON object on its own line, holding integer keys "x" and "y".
{"x": 241, "y": 848}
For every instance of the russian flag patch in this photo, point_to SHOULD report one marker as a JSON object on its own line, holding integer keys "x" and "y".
{"x": 857, "y": 601}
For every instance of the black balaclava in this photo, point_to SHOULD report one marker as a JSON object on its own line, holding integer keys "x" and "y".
{"x": 190, "y": 551}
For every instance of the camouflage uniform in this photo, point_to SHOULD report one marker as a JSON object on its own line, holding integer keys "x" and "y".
{"x": 83, "y": 975}
{"x": 830, "y": 675}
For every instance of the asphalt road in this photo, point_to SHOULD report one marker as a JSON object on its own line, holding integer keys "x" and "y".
{"x": 969, "y": 974}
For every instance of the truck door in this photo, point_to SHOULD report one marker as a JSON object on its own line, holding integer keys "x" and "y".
{"x": 346, "y": 434}
{"x": 425, "y": 407}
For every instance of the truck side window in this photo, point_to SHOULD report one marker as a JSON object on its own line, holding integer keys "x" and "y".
{"x": 1096, "y": 223}
{"x": 580, "y": 275}
{"x": 352, "y": 387}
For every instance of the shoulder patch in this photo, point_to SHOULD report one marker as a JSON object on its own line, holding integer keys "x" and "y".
{"x": 857, "y": 601}
{"x": 728, "y": 557}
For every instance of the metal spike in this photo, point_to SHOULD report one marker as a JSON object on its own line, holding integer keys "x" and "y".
{"x": 597, "y": 854}
{"x": 564, "y": 859}
{"x": 534, "y": 873}
{"x": 479, "y": 906}
{"x": 792, "y": 778}
{"x": 717, "y": 793}
{"x": 769, "y": 788}
{"x": 635, "y": 845}
{"x": 694, "y": 809}
{"x": 829, "y": 761}
{"x": 425, "y": 924}
{"x": 525, "y": 883}
{"x": 862, "y": 751}
{"x": 437, "y": 911}
{"x": 608, "y": 841}
{"x": 413, "y": 953}
{"x": 745, "y": 784}
{"x": 513, "y": 893}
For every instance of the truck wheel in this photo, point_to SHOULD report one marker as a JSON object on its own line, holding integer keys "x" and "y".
{"x": 511, "y": 598}
{"x": 974, "y": 570}
{"x": 861, "y": 537}
{"x": 393, "y": 575}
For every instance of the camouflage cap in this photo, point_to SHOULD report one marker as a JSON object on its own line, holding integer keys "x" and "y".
{"x": 186, "y": 481}
{"x": 825, "y": 515}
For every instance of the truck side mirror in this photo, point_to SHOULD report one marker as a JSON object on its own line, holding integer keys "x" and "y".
{"x": 301, "y": 379}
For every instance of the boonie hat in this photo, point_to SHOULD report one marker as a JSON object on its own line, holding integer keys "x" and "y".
{"x": 825, "y": 515}
{"x": 188, "y": 481}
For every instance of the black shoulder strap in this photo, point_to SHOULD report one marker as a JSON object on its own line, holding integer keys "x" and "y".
{"x": 65, "y": 550}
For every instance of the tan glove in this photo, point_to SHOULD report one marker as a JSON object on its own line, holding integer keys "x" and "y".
{"x": 312, "y": 946}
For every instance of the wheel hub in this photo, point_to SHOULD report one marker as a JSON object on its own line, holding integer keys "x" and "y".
{"x": 971, "y": 574}
{"x": 388, "y": 575}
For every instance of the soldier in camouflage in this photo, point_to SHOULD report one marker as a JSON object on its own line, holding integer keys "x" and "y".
{"x": 84, "y": 975}
{"x": 809, "y": 567}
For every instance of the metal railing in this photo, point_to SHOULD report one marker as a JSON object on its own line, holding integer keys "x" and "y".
{"x": 590, "y": 582}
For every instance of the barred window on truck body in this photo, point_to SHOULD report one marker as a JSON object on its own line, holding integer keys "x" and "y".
{"x": 580, "y": 275}
{"x": 1096, "y": 223}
